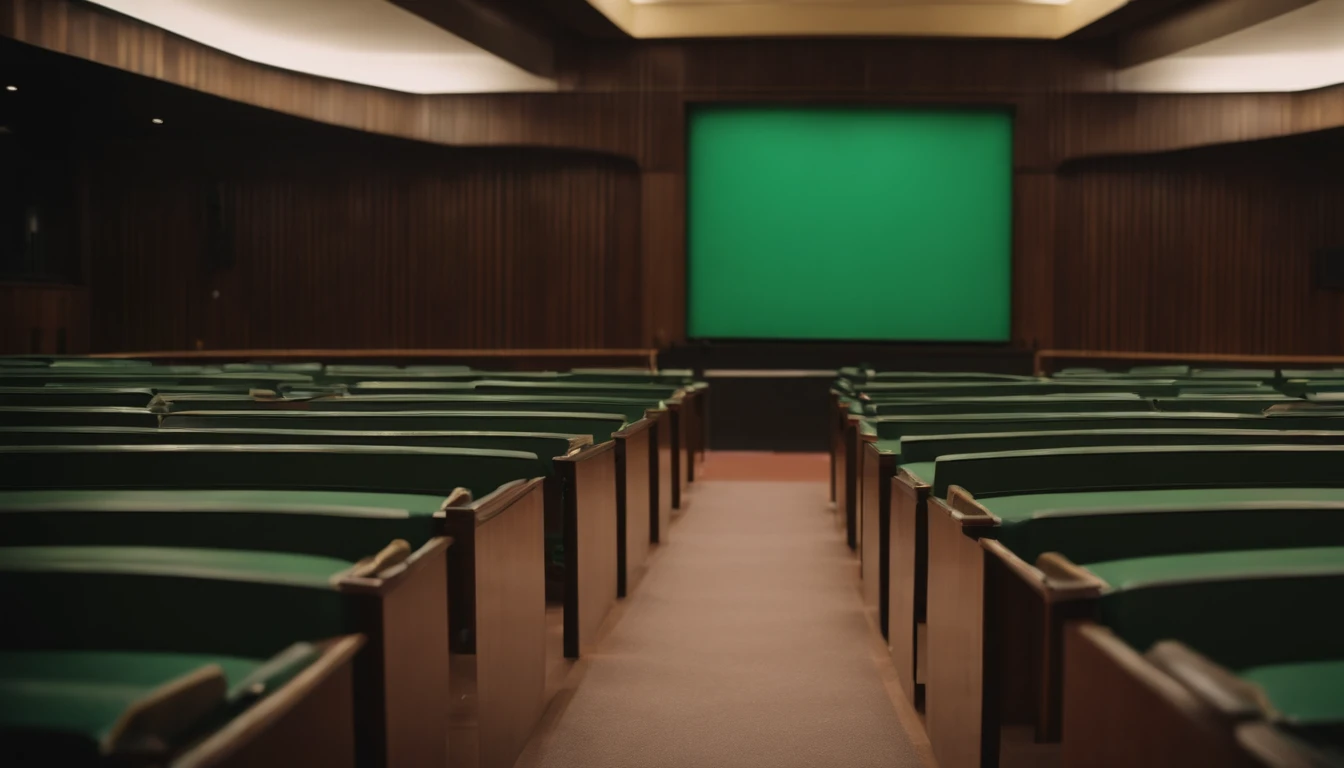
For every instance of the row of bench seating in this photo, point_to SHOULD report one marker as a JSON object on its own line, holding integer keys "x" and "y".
{"x": 1104, "y": 569}
{"x": 260, "y": 564}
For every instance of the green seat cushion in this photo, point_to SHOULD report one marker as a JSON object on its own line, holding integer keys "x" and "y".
{"x": 282, "y": 568}
{"x": 352, "y": 503}
{"x": 1253, "y": 404}
{"x": 82, "y": 694}
{"x": 632, "y": 409}
{"x": 1107, "y": 468}
{"x": 931, "y": 447}
{"x": 1304, "y": 693}
{"x": 184, "y": 600}
{"x": 80, "y": 397}
{"x": 1242, "y": 610}
{"x": 64, "y": 705}
{"x": 29, "y": 415}
{"x": 544, "y": 445}
{"x": 344, "y": 468}
{"x": 1012, "y": 510}
{"x": 599, "y": 426}
{"x": 892, "y": 427}
{"x": 1114, "y": 402}
{"x": 1139, "y": 572}
{"x": 1097, "y": 526}
{"x": 345, "y": 525}
{"x": 920, "y": 470}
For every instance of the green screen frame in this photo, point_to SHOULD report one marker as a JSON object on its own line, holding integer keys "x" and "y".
{"x": 948, "y": 298}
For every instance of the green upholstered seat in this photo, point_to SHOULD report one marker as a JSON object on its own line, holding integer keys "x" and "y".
{"x": 534, "y": 389}
{"x": 346, "y": 525}
{"x": 1090, "y": 527}
{"x": 83, "y": 397}
{"x": 599, "y": 426}
{"x": 645, "y": 390}
{"x": 1160, "y": 370}
{"x": 1245, "y": 374}
{"x": 1241, "y": 609}
{"x": 877, "y": 391}
{"x": 67, "y": 705}
{"x": 920, "y": 470}
{"x": 1144, "y": 572}
{"x": 666, "y": 376}
{"x": 1016, "y": 509}
{"x": 1063, "y": 403}
{"x": 309, "y": 369}
{"x": 1116, "y": 468}
{"x": 27, "y": 415}
{"x": 632, "y": 409}
{"x": 81, "y": 694}
{"x": 896, "y": 427}
{"x": 1312, "y": 374}
{"x": 1302, "y": 693}
{"x": 364, "y": 369}
{"x": 1086, "y": 372}
{"x": 280, "y": 568}
{"x": 1239, "y": 403}
{"x": 352, "y": 374}
{"x": 544, "y": 445}
{"x": 427, "y": 471}
{"x": 922, "y": 448}
{"x": 922, "y": 376}
{"x": 159, "y": 377}
{"x": 185, "y": 600}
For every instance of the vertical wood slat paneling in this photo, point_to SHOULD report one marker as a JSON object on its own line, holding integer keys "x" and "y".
{"x": 394, "y": 248}
{"x": 1208, "y": 251}
{"x": 629, "y": 99}
{"x": 33, "y": 316}
{"x": 1033, "y": 259}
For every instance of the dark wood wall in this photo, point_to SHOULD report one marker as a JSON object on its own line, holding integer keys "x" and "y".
{"x": 43, "y": 319}
{"x": 1205, "y": 250}
{"x": 630, "y": 100}
{"x": 346, "y": 241}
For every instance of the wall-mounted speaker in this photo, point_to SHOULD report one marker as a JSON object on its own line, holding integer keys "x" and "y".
{"x": 218, "y": 228}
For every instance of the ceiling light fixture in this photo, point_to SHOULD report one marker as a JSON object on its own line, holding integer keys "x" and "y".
{"x": 11, "y": 87}
{"x": 156, "y": 120}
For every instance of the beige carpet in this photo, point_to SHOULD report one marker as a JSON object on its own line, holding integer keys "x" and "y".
{"x": 746, "y": 645}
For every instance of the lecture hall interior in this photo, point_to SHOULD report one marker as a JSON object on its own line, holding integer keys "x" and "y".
{"x": 672, "y": 383}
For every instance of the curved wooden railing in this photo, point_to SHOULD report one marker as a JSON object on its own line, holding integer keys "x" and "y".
{"x": 1049, "y": 360}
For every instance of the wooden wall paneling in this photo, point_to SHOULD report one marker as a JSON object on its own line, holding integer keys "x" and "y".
{"x": 1112, "y": 124}
{"x": 147, "y": 269}
{"x": 600, "y": 112}
{"x": 1203, "y": 252}
{"x": 33, "y": 317}
{"x": 628, "y": 100}
{"x": 664, "y": 257}
{"x": 395, "y": 246}
{"x": 1034, "y": 205}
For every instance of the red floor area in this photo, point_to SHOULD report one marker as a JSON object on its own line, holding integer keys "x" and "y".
{"x": 772, "y": 467}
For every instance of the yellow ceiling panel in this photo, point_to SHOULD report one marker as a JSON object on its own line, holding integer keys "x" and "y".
{"x": 1047, "y": 19}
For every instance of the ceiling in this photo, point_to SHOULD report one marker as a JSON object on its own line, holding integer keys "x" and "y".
{"x": 1298, "y": 50}
{"x": 1042, "y": 19}
{"x": 371, "y": 42}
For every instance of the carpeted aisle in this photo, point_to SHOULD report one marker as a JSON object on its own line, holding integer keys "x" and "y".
{"x": 746, "y": 645}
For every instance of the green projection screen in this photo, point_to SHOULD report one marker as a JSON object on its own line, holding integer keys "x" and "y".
{"x": 849, "y": 224}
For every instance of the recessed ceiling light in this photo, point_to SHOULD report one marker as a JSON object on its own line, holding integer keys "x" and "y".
{"x": 11, "y": 87}
{"x": 157, "y": 121}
